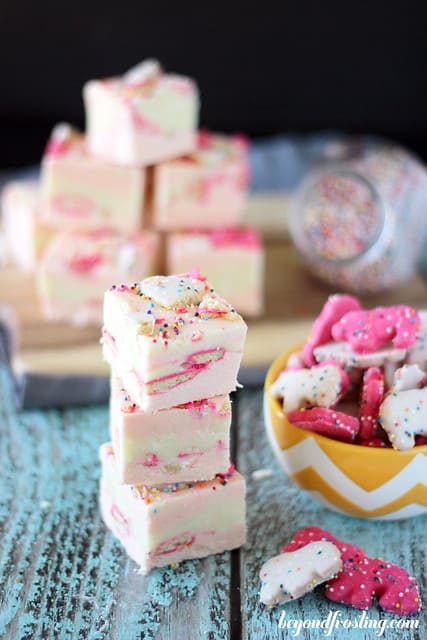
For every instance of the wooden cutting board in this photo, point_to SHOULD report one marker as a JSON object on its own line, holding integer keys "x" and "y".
{"x": 293, "y": 298}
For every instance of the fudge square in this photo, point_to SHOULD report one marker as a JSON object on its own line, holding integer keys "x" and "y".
{"x": 26, "y": 235}
{"x": 171, "y": 523}
{"x": 80, "y": 190}
{"x": 238, "y": 251}
{"x": 172, "y": 340}
{"x": 185, "y": 443}
{"x": 143, "y": 117}
{"x": 206, "y": 189}
{"x": 80, "y": 264}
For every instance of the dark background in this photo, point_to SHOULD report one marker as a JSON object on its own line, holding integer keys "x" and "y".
{"x": 262, "y": 68}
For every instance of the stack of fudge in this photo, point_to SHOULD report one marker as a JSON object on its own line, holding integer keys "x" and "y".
{"x": 168, "y": 489}
{"x": 142, "y": 191}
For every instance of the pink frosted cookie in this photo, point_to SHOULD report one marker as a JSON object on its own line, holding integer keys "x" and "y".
{"x": 367, "y": 331}
{"x": 372, "y": 396}
{"x": 362, "y": 583}
{"x": 327, "y": 422}
{"x": 292, "y": 574}
{"x": 374, "y": 442}
{"x": 319, "y": 386}
{"x": 364, "y": 580}
{"x": 334, "y": 309}
{"x": 403, "y": 415}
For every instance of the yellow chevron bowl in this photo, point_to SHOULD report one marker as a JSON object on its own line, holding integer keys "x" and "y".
{"x": 366, "y": 482}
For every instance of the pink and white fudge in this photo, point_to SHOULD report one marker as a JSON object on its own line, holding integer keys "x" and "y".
{"x": 185, "y": 443}
{"x": 80, "y": 190}
{"x": 172, "y": 340}
{"x": 233, "y": 258}
{"x": 143, "y": 117}
{"x": 25, "y": 234}
{"x": 79, "y": 264}
{"x": 206, "y": 189}
{"x": 170, "y": 523}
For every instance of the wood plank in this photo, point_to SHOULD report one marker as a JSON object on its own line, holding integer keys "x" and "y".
{"x": 276, "y": 510}
{"x": 62, "y": 574}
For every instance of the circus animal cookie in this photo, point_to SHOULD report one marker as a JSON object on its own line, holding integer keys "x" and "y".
{"x": 185, "y": 443}
{"x": 372, "y": 396}
{"x": 170, "y": 523}
{"x": 319, "y": 386}
{"x": 344, "y": 354}
{"x": 403, "y": 415}
{"x": 143, "y": 117}
{"x": 328, "y": 422}
{"x": 237, "y": 250}
{"x": 363, "y": 580}
{"x": 369, "y": 580}
{"x": 172, "y": 340}
{"x": 417, "y": 353}
{"x": 206, "y": 189}
{"x": 293, "y": 574}
{"x": 26, "y": 235}
{"x": 79, "y": 190}
{"x": 368, "y": 331}
{"x": 334, "y": 309}
{"x": 410, "y": 376}
{"x": 79, "y": 265}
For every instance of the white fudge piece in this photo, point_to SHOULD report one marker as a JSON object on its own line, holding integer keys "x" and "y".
{"x": 237, "y": 250}
{"x": 79, "y": 265}
{"x": 204, "y": 190}
{"x": 80, "y": 190}
{"x": 171, "y": 523}
{"x": 185, "y": 443}
{"x": 174, "y": 344}
{"x": 26, "y": 235}
{"x": 143, "y": 117}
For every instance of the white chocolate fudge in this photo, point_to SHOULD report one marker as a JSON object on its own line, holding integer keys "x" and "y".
{"x": 143, "y": 117}
{"x": 26, "y": 235}
{"x": 206, "y": 189}
{"x": 237, "y": 251}
{"x": 171, "y": 523}
{"x": 182, "y": 444}
{"x": 80, "y": 190}
{"x": 78, "y": 266}
{"x": 172, "y": 340}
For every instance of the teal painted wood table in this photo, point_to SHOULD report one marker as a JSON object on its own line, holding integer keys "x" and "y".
{"x": 63, "y": 575}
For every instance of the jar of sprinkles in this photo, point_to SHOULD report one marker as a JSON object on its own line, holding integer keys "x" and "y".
{"x": 360, "y": 223}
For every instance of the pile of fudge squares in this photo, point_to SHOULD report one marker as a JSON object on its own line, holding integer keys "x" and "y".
{"x": 168, "y": 489}
{"x": 143, "y": 191}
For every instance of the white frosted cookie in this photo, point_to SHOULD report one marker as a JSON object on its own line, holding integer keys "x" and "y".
{"x": 403, "y": 415}
{"x": 292, "y": 574}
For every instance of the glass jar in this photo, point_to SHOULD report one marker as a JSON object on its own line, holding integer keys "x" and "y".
{"x": 360, "y": 221}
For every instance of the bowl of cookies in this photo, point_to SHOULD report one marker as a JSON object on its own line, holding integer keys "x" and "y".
{"x": 346, "y": 413}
